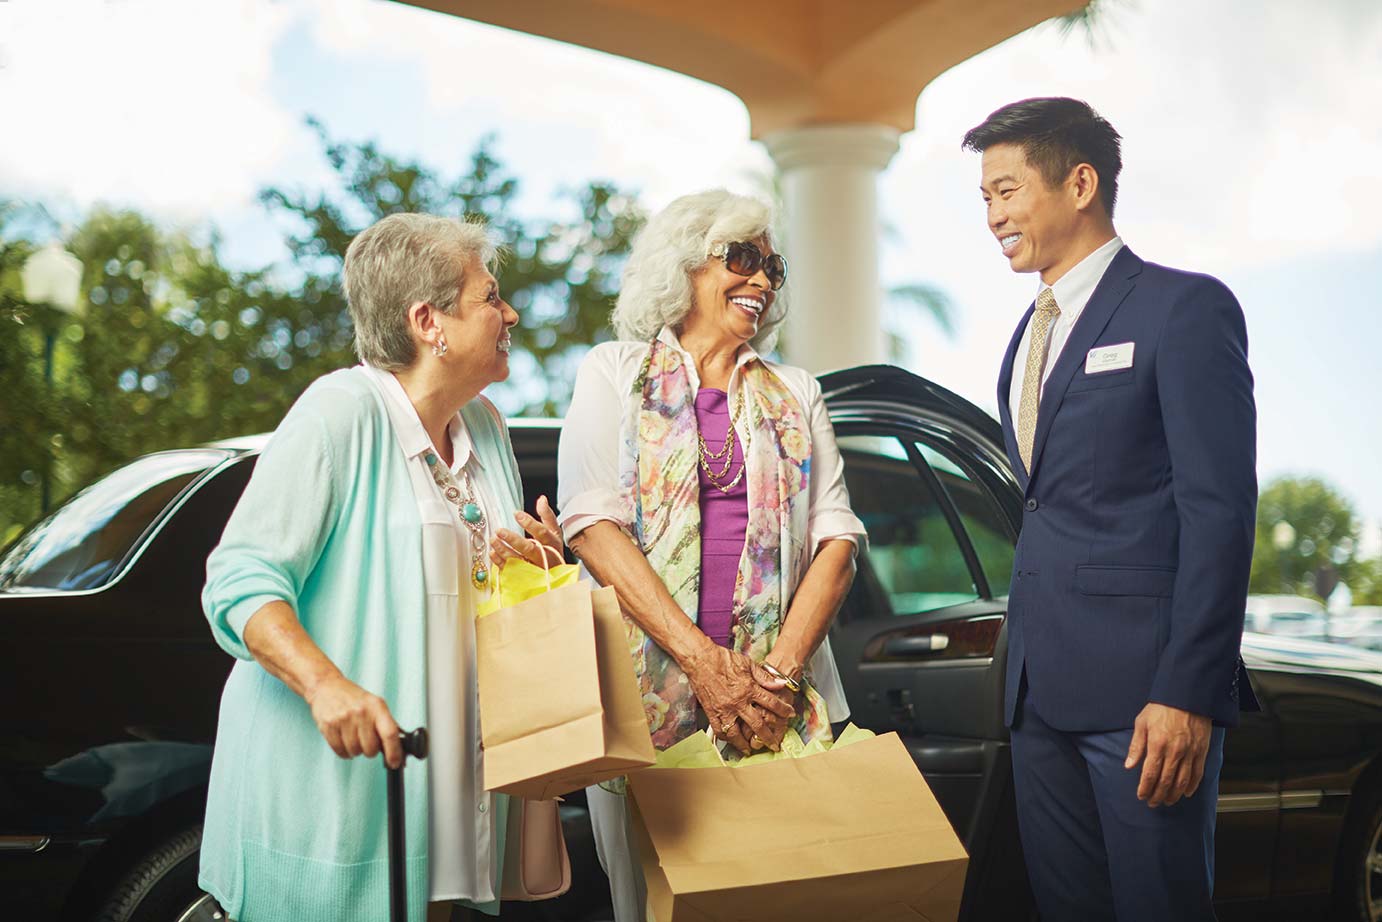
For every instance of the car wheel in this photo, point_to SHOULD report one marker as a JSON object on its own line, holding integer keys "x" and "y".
{"x": 162, "y": 887}
{"x": 205, "y": 909}
{"x": 1358, "y": 887}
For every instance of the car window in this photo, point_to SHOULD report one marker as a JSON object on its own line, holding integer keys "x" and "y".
{"x": 981, "y": 516}
{"x": 83, "y": 544}
{"x": 914, "y": 562}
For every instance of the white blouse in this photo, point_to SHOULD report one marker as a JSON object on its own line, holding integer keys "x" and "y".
{"x": 588, "y": 464}
{"x": 461, "y": 829}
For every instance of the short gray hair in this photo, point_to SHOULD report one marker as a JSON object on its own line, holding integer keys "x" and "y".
{"x": 398, "y": 261}
{"x": 677, "y": 241}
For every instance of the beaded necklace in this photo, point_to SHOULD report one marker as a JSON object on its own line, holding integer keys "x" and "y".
{"x": 463, "y": 498}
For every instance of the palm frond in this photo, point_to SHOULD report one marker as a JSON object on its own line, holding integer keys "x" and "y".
{"x": 1091, "y": 20}
{"x": 931, "y": 300}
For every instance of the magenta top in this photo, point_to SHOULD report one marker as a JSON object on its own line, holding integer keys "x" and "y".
{"x": 724, "y": 519}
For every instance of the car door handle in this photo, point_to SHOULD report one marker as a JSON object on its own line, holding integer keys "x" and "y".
{"x": 916, "y": 645}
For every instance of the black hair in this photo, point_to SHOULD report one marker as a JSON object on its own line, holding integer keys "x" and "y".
{"x": 1056, "y": 135}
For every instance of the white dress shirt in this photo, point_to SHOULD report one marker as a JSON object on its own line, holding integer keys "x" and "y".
{"x": 460, "y": 829}
{"x": 1072, "y": 292}
{"x": 588, "y": 463}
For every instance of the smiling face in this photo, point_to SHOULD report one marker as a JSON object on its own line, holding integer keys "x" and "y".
{"x": 477, "y": 329}
{"x": 728, "y": 303}
{"x": 1039, "y": 227}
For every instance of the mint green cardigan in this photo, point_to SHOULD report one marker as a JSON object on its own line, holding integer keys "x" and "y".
{"x": 329, "y": 525}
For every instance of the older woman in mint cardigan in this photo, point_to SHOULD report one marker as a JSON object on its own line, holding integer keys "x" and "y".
{"x": 346, "y": 583}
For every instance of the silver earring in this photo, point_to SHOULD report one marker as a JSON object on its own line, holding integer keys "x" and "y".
{"x": 439, "y": 347}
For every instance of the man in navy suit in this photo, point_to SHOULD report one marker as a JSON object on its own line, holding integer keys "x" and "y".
{"x": 1128, "y": 413}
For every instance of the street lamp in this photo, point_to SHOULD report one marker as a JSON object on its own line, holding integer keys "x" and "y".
{"x": 1283, "y": 536}
{"x": 52, "y": 276}
{"x": 1283, "y": 539}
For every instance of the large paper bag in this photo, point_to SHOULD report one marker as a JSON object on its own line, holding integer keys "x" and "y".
{"x": 853, "y": 833}
{"x": 559, "y": 703}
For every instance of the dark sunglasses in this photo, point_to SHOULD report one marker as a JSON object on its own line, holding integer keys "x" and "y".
{"x": 746, "y": 259}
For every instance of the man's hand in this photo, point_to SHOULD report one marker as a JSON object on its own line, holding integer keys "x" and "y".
{"x": 1176, "y": 744}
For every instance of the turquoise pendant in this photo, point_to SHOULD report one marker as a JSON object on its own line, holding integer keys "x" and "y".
{"x": 471, "y": 513}
{"x": 431, "y": 458}
{"x": 479, "y": 577}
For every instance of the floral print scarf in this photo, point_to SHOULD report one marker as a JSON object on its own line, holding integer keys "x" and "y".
{"x": 659, "y": 483}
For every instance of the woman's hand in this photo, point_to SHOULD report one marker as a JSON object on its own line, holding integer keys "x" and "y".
{"x": 354, "y": 722}
{"x": 509, "y": 544}
{"x": 775, "y": 725}
{"x": 737, "y": 695}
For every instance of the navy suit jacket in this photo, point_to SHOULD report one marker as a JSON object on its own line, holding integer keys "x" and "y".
{"x": 1130, "y": 580}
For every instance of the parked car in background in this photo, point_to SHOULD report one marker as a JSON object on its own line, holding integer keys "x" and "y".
{"x": 109, "y": 683}
{"x": 1287, "y": 615}
{"x": 1359, "y": 626}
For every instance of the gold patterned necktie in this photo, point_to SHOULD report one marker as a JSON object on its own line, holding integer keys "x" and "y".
{"x": 1042, "y": 321}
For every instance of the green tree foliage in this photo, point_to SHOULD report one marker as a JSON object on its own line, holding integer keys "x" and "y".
{"x": 26, "y": 404}
{"x": 174, "y": 348}
{"x": 1366, "y": 584}
{"x": 560, "y": 275}
{"x": 1307, "y": 539}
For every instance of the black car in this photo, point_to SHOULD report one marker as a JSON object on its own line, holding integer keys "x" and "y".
{"x": 110, "y": 682}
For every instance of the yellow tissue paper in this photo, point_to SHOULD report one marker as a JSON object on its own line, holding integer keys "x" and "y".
{"x": 696, "y": 751}
{"x": 852, "y": 734}
{"x": 518, "y": 580}
{"x": 699, "y": 750}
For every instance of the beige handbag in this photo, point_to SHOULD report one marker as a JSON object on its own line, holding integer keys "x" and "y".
{"x": 536, "y": 865}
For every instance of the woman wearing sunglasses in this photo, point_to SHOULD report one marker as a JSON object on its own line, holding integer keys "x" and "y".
{"x": 703, "y": 483}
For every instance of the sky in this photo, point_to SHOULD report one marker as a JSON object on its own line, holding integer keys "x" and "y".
{"x": 1252, "y": 150}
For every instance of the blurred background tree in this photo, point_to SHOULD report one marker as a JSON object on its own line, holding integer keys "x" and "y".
{"x": 561, "y": 276}
{"x": 1307, "y": 541}
{"x": 172, "y": 347}
{"x": 27, "y": 410}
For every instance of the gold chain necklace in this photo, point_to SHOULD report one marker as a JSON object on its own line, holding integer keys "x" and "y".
{"x": 705, "y": 455}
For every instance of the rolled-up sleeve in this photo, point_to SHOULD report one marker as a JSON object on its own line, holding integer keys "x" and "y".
{"x": 831, "y": 516}
{"x": 276, "y": 533}
{"x": 588, "y": 452}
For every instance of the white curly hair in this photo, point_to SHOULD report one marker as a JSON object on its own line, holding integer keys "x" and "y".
{"x": 672, "y": 246}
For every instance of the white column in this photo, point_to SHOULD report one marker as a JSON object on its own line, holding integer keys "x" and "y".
{"x": 830, "y": 238}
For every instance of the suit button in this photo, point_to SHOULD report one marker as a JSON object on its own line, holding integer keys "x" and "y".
{"x": 1031, "y": 505}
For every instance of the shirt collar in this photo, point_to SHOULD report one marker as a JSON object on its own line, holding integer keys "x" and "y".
{"x": 412, "y": 437}
{"x": 745, "y": 354}
{"x": 1074, "y": 289}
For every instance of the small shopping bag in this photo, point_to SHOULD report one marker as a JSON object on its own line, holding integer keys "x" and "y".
{"x": 559, "y": 703}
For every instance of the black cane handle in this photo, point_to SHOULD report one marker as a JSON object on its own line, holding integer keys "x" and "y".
{"x": 415, "y": 743}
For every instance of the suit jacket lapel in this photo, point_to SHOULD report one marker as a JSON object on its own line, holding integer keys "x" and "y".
{"x": 1005, "y": 380}
{"x": 1118, "y": 280}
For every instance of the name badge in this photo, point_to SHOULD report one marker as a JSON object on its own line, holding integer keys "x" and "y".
{"x": 1108, "y": 358}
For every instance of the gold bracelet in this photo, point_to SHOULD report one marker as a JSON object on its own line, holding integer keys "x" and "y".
{"x": 793, "y": 685}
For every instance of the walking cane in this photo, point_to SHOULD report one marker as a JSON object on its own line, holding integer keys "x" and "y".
{"x": 414, "y": 744}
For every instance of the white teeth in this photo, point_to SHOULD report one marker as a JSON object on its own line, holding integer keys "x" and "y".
{"x": 504, "y": 344}
{"x": 1009, "y": 240}
{"x": 748, "y": 304}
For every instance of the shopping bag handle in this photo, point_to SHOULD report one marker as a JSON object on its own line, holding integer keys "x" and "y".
{"x": 545, "y": 567}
